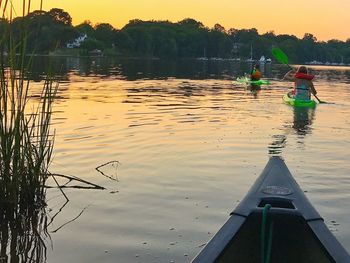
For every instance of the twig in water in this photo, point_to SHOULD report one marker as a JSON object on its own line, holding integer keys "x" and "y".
{"x": 53, "y": 176}
{"x": 72, "y": 178}
{"x": 106, "y": 175}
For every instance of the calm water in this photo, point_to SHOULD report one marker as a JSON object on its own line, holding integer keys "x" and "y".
{"x": 187, "y": 144}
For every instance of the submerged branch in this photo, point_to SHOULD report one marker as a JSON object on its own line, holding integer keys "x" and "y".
{"x": 53, "y": 176}
{"x": 72, "y": 178}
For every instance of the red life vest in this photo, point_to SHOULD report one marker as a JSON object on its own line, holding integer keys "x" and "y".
{"x": 304, "y": 76}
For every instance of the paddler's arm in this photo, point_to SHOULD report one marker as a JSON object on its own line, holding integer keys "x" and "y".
{"x": 289, "y": 75}
{"x": 312, "y": 88}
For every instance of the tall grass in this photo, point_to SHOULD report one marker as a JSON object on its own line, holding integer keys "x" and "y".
{"x": 26, "y": 144}
{"x": 26, "y": 141}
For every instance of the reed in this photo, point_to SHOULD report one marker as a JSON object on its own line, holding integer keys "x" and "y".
{"x": 26, "y": 144}
{"x": 26, "y": 141}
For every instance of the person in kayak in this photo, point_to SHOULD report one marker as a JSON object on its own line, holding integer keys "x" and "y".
{"x": 303, "y": 86}
{"x": 255, "y": 74}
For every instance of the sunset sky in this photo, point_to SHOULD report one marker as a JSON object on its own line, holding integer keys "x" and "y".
{"x": 326, "y": 19}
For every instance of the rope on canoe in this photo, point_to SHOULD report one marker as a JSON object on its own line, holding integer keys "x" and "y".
{"x": 266, "y": 236}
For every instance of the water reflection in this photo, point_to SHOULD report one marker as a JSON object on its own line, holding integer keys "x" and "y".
{"x": 303, "y": 118}
{"x": 135, "y": 69}
{"x": 279, "y": 142}
{"x": 23, "y": 233}
{"x": 176, "y": 130}
{"x": 254, "y": 90}
{"x": 24, "y": 225}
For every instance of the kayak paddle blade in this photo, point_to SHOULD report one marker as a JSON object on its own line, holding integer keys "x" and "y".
{"x": 280, "y": 55}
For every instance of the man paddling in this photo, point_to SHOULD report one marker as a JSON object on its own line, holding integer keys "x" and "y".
{"x": 255, "y": 75}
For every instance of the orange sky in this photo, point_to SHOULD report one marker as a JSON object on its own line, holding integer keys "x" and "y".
{"x": 326, "y": 19}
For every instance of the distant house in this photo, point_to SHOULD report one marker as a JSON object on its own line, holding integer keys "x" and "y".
{"x": 77, "y": 42}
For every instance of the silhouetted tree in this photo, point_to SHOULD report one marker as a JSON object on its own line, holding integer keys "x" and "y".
{"x": 60, "y": 16}
{"x": 86, "y": 28}
{"x": 105, "y": 33}
{"x": 47, "y": 31}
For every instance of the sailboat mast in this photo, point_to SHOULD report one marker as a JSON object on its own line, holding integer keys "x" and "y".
{"x": 251, "y": 51}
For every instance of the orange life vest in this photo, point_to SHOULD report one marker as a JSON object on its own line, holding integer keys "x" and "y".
{"x": 256, "y": 75}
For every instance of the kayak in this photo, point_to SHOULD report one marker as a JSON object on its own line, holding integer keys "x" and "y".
{"x": 274, "y": 223}
{"x": 247, "y": 80}
{"x": 298, "y": 103}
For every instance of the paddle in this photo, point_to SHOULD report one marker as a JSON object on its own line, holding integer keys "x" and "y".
{"x": 320, "y": 101}
{"x": 282, "y": 58}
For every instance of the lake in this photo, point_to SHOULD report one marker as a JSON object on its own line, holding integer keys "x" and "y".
{"x": 178, "y": 144}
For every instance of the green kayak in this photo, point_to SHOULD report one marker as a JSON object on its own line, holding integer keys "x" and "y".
{"x": 298, "y": 103}
{"x": 247, "y": 80}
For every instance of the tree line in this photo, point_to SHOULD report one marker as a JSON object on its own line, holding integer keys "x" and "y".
{"x": 52, "y": 30}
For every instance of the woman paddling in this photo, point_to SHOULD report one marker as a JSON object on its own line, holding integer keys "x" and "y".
{"x": 303, "y": 86}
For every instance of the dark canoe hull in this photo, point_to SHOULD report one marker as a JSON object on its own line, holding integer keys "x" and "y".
{"x": 299, "y": 233}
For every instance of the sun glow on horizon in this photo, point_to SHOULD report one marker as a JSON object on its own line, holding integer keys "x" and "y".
{"x": 324, "y": 19}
